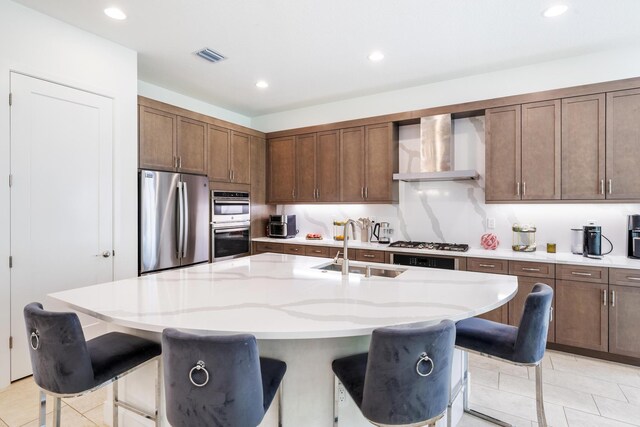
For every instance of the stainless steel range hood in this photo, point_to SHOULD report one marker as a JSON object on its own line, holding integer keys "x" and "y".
{"x": 432, "y": 157}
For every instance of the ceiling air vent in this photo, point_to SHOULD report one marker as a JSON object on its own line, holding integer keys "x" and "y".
{"x": 210, "y": 55}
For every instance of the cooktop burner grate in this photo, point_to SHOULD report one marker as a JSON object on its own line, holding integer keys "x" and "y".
{"x": 453, "y": 247}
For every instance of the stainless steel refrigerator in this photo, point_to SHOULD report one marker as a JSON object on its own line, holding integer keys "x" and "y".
{"x": 173, "y": 220}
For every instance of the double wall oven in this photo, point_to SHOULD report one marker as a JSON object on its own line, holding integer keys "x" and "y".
{"x": 230, "y": 225}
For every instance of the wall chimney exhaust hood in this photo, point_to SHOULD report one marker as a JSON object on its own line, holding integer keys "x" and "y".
{"x": 432, "y": 157}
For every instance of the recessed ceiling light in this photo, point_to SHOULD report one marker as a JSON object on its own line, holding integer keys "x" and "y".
{"x": 262, "y": 84}
{"x": 115, "y": 13}
{"x": 376, "y": 56}
{"x": 555, "y": 10}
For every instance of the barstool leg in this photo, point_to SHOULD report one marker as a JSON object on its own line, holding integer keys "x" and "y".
{"x": 465, "y": 381}
{"x": 280, "y": 405}
{"x": 158, "y": 400}
{"x": 56, "y": 412}
{"x": 542, "y": 419}
{"x": 43, "y": 409}
{"x": 115, "y": 404}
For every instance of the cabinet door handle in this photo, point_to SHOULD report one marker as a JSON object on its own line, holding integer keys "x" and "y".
{"x": 604, "y": 297}
{"x": 637, "y": 279}
{"x": 524, "y": 189}
{"x": 602, "y": 186}
{"x": 293, "y": 193}
{"x": 518, "y": 188}
{"x": 362, "y": 192}
{"x": 233, "y": 175}
{"x": 180, "y": 162}
{"x": 229, "y": 175}
{"x": 551, "y": 314}
{"x": 530, "y": 269}
{"x": 366, "y": 192}
{"x": 610, "y": 187}
{"x": 613, "y": 298}
{"x": 175, "y": 162}
{"x": 487, "y": 265}
{"x": 579, "y": 273}
{"x": 318, "y": 190}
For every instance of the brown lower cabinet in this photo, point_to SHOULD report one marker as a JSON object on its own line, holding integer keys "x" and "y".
{"x": 582, "y": 314}
{"x": 624, "y": 319}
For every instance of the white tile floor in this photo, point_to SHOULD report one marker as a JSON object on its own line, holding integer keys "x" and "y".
{"x": 579, "y": 392}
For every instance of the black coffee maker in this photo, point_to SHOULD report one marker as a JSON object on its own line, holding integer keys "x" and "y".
{"x": 633, "y": 237}
{"x": 592, "y": 243}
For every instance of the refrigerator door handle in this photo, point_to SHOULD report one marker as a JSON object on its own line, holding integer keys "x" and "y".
{"x": 180, "y": 221}
{"x": 185, "y": 202}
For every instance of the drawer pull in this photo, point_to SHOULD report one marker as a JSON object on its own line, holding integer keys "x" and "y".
{"x": 637, "y": 279}
{"x": 530, "y": 269}
{"x": 368, "y": 256}
{"x": 317, "y": 251}
{"x": 579, "y": 273}
{"x": 295, "y": 249}
{"x": 487, "y": 265}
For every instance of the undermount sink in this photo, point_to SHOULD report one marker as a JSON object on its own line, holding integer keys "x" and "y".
{"x": 362, "y": 269}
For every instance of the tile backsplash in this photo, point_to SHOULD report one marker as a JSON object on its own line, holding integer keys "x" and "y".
{"x": 455, "y": 211}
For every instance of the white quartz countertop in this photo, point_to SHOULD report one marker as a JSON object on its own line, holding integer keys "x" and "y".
{"x": 614, "y": 261}
{"x": 276, "y": 296}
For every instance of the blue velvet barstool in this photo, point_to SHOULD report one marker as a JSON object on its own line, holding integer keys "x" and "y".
{"x": 404, "y": 379}
{"x": 66, "y": 365}
{"x": 522, "y": 346}
{"x": 218, "y": 381}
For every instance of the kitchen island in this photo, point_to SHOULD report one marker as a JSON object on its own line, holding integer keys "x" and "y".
{"x": 299, "y": 313}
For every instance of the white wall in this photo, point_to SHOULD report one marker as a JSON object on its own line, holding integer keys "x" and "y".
{"x": 174, "y": 98}
{"x": 593, "y": 68}
{"x": 44, "y": 47}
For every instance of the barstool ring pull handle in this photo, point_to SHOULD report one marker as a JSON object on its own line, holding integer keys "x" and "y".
{"x": 424, "y": 358}
{"x": 199, "y": 367}
{"x": 34, "y": 336}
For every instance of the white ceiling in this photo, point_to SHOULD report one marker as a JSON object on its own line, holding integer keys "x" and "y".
{"x": 315, "y": 51}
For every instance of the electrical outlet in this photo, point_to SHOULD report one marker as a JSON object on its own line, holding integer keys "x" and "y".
{"x": 342, "y": 395}
{"x": 491, "y": 223}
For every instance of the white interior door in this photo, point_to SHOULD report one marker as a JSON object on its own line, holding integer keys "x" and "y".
{"x": 61, "y": 197}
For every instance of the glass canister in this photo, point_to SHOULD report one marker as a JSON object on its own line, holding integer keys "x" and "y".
{"x": 524, "y": 237}
{"x": 338, "y": 230}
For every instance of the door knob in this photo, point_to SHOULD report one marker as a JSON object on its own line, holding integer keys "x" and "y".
{"x": 105, "y": 254}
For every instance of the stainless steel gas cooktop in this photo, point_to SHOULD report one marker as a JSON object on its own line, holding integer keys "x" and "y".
{"x": 453, "y": 247}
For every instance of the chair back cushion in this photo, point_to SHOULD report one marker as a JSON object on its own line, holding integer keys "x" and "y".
{"x": 233, "y": 395}
{"x": 58, "y": 350}
{"x": 534, "y": 325}
{"x": 394, "y": 392}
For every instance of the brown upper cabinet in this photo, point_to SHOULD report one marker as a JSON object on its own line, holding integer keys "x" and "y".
{"x": 623, "y": 145}
{"x": 541, "y": 150}
{"x": 583, "y": 147}
{"x": 328, "y": 166}
{"x": 353, "y": 165}
{"x": 503, "y": 156}
{"x": 191, "y": 146}
{"x": 523, "y": 155}
{"x": 317, "y": 167}
{"x": 172, "y": 143}
{"x": 229, "y": 156}
{"x": 281, "y": 170}
{"x": 369, "y": 157}
{"x": 158, "y": 135}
